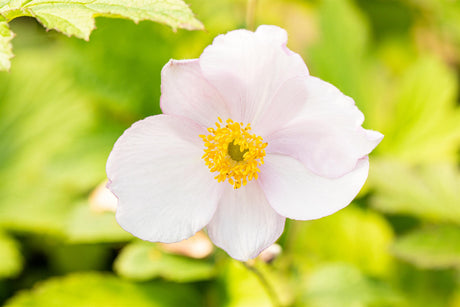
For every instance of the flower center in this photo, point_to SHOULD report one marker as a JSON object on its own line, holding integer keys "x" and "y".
{"x": 234, "y": 153}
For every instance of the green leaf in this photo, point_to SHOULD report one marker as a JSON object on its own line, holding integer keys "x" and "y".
{"x": 6, "y": 53}
{"x": 429, "y": 192}
{"x": 432, "y": 247}
{"x": 339, "y": 285}
{"x": 353, "y": 235}
{"x": 76, "y": 18}
{"x": 87, "y": 226}
{"x": 144, "y": 261}
{"x": 93, "y": 289}
{"x": 11, "y": 257}
{"x": 422, "y": 120}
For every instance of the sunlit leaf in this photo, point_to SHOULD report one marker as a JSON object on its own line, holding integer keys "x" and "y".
{"x": 11, "y": 260}
{"x": 5, "y": 45}
{"x": 435, "y": 247}
{"x": 422, "y": 122}
{"x": 430, "y": 191}
{"x": 339, "y": 285}
{"x": 144, "y": 261}
{"x": 350, "y": 235}
{"x": 93, "y": 289}
{"x": 76, "y": 18}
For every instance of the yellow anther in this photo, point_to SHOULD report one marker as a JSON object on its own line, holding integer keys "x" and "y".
{"x": 233, "y": 152}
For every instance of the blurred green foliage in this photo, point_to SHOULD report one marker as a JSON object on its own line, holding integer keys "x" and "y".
{"x": 76, "y": 18}
{"x": 142, "y": 261}
{"x": 66, "y": 101}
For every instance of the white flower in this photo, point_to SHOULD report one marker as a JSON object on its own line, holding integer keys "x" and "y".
{"x": 247, "y": 139}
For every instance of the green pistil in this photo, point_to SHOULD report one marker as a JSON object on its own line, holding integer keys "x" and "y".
{"x": 235, "y": 152}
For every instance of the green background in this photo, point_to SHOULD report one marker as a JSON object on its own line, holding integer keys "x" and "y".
{"x": 66, "y": 101}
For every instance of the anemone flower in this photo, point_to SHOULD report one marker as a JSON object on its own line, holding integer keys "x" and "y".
{"x": 247, "y": 139}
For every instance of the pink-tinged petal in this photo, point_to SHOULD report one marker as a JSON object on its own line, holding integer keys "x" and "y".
{"x": 244, "y": 223}
{"x": 325, "y": 101}
{"x": 165, "y": 191}
{"x": 297, "y": 193}
{"x": 185, "y": 92}
{"x": 248, "y": 68}
{"x": 326, "y": 136}
{"x": 285, "y": 104}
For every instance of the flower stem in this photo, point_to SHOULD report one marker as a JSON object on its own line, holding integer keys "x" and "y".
{"x": 251, "y": 14}
{"x": 264, "y": 282}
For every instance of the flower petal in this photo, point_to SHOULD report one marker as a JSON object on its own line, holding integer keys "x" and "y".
{"x": 286, "y": 103}
{"x": 297, "y": 193}
{"x": 185, "y": 92}
{"x": 326, "y": 136}
{"x": 165, "y": 191}
{"x": 248, "y": 68}
{"x": 244, "y": 223}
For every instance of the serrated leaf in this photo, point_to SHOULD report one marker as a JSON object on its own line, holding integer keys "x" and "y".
{"x": 87, "y": 226}
{"x": 93, "y": 289}
{"x": 144, "y": 261}
{"x": 6, "y": 53}
{"x": 11, "y": 259}
{"x": 353, "y": 235}
{"x": 430, "y": 192}
{"x": 433, "y": 247}
{"x": 76, "y": 18}
{"x": 340, "y": 285}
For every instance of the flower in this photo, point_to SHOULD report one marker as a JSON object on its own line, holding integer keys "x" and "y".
{"x": 247, "y": 139}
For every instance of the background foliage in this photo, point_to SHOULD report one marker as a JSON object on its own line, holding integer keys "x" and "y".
{"x": 65, "y": 101}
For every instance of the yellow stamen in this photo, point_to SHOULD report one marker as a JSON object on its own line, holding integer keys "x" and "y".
{"x": 233, "y": 152}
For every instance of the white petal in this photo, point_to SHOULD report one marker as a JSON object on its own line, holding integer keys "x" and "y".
{"x": 285, "y": 104}
{"x": 165, "y": 191}
{"x": 295, "y": 192}
{"x": 325, "y": 101}
{"x": 326, "y": 136}
{"x": 248, "y": 68}
{"x": 244, "y": 223}
{"x": 185, "y": 92}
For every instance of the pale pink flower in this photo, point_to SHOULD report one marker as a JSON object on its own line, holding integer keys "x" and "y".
{"x": 247, "y": 139}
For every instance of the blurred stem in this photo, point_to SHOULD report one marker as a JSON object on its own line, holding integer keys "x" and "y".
{"x": 268, "y": 288}
{"x": 251, "y": 14}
